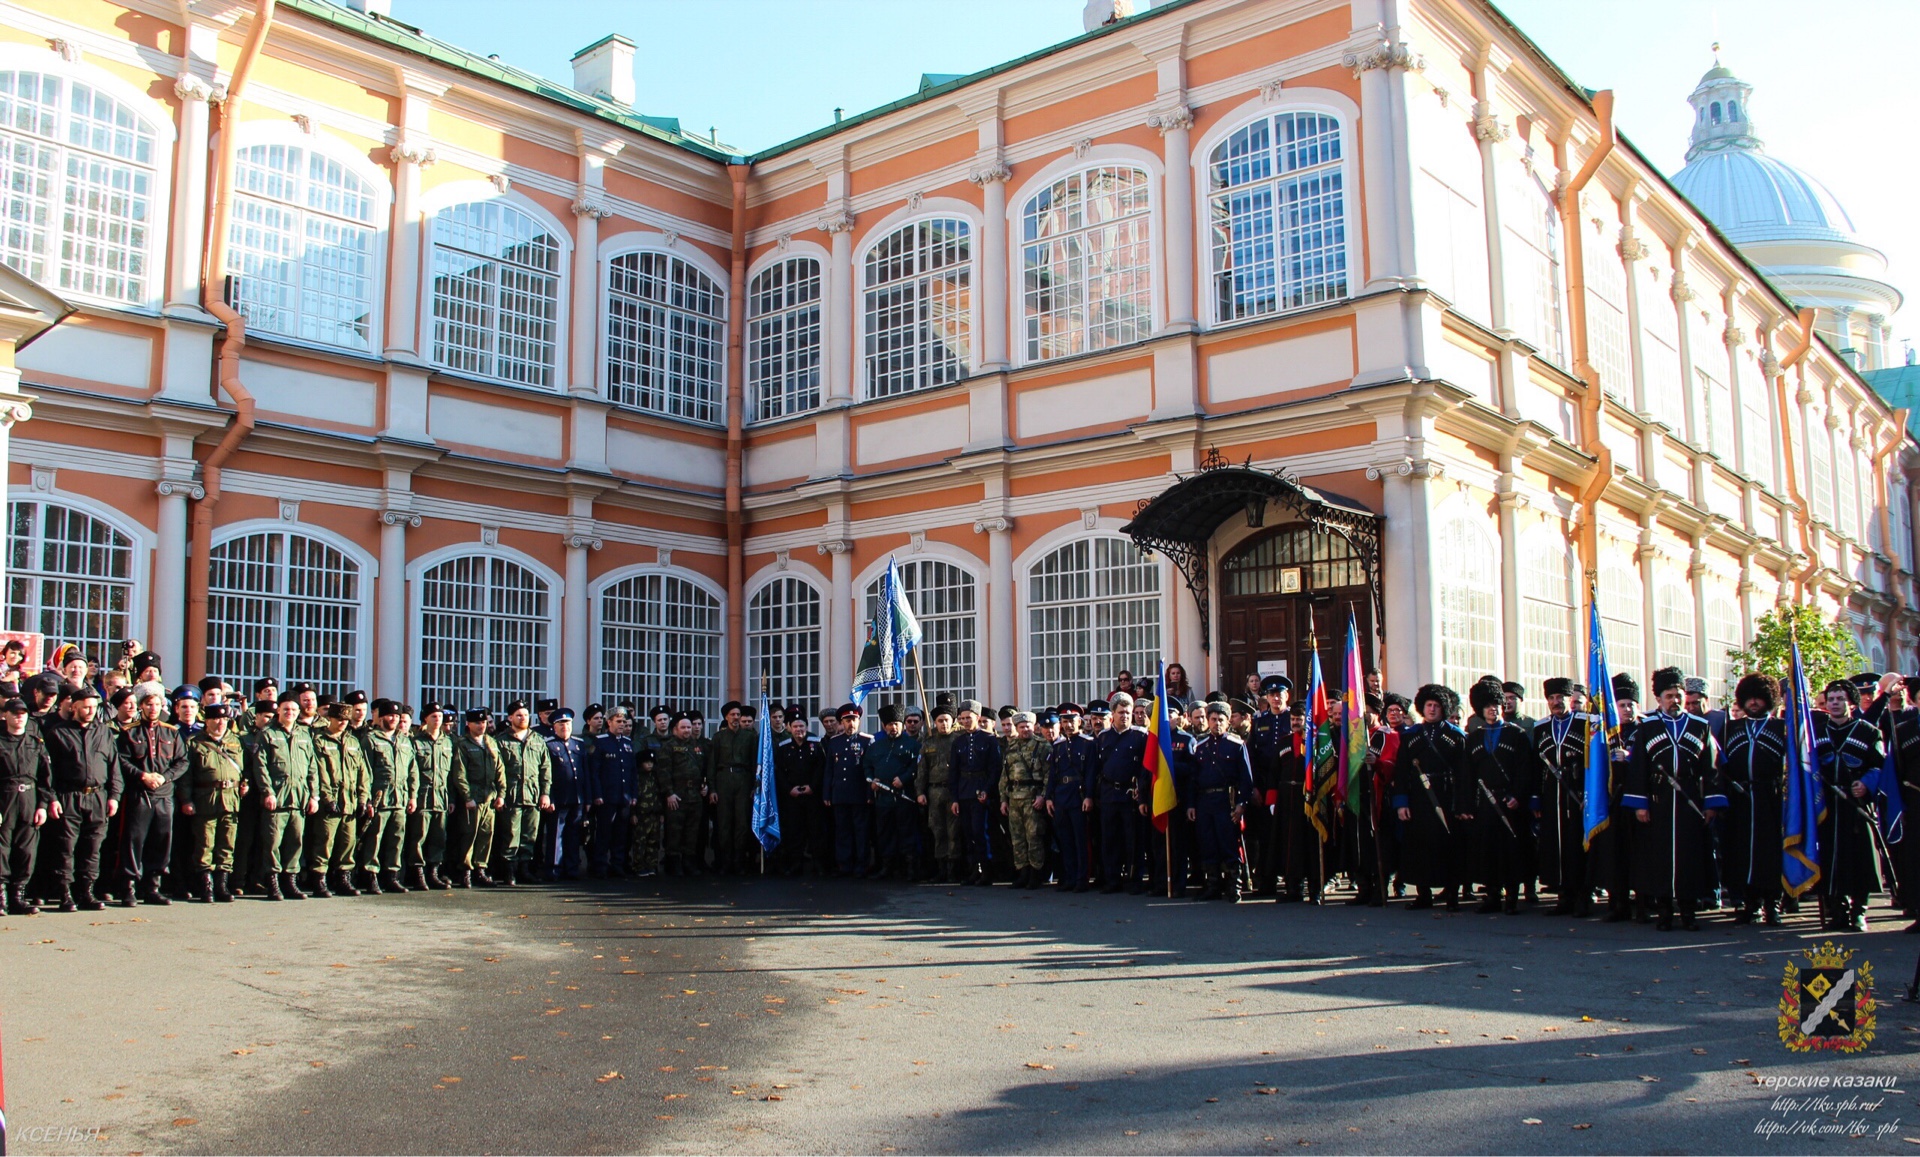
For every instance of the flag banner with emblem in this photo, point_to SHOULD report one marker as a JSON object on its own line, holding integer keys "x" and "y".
{"x": 1805, "y": 803}
{"x": 1353, "y": 753}
{"x": 892, "y": 634}
{"x": 766, "y": 805}
{"x": 1319, "y": 775}
{"x": 1159, "y": 756}
{"x": 1603, "y": 724}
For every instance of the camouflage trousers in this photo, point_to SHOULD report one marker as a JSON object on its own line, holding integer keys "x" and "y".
{"x": 1027, "y": 830}
{"x": 944, "y": 826}
{"x": 643, "y": 851}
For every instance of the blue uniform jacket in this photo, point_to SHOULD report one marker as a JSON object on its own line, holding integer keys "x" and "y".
{"x": 569, "y": 760}
{"x": 611, "y": 769}
{"x": 1120, "y": 755}
{"x": 846, "y": 771}
{"x": 1219, "y": 762}
{"x": 974, "y": 765}
{"x": 888, "y": 759}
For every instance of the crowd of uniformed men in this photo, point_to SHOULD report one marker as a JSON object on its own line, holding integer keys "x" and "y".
{"x": 205, "y": 792}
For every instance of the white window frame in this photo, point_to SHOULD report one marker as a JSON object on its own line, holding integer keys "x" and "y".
{"x": 1099, "y": 681}
{"x": 1615, "y": 629}
{"x": 1673, "y": 606}
{"x": 685, "y": 252}
{"x": 1723, "y": 609}
{"x": 1464, "y": 658}
{"x": 931, "y": 209}
{"x": 417, "y": 571}
{"x": 969, "y": 567}
{"x": 784, "y": 686}
{"x": 1324, "y": 102}
{"x": 144, "y": 542}
{"x": 597, "y": 627}
{"x": 1095, "y": 160}
{"x": 461, "y": 193}
{"x": 258, "y": 134}
{"x": 1537, "y": 664}
{"x": 757, "y": 384}
{"x": 275, "y": 664}
{"x": 158, "y": 119}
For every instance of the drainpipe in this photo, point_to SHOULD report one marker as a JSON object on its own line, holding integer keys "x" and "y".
{"x": 736, "y": 396}
{"x": 1805, "y": 519}
{"x": 1593, "y": 404}
{"x": 212, "y": 286}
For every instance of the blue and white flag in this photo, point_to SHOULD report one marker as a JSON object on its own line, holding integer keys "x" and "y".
{"x": 1603, "y": 724}
{"x": 1805, "y": 803}
{"x": 766, "y": 805}
{"x": 893, "y": 633}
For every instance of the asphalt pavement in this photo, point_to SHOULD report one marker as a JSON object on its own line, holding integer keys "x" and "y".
{"x": 727, "y": 1015}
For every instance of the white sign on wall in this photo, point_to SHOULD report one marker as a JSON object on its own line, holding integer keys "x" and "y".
{"x": 1267, "y": 667}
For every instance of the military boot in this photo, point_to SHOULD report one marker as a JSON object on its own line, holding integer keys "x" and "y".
{"x": 417, "y": 879}
{"x": 342, "y": 883}
{"x": 1770, "y": 913}
{"x": 373, "y": 885}
{"x": 1422, "y": 898}
{"x": 1664, "y": 922}
{"x": 318, "y": 887}
{"x": 272, "y": 889}
{"x": 391, "y": 882}
{"x": 18, "y": 904}
{"x": 481, "y": 879}
{"x": 290, "y": 888}
{"x": 437, "y": 879}
{"x": 67, "y": 903}
{"x": 1856, "y": 917}
{"x": 1230, "y": 886}
{"x": 84, "y": 896}
{"x": 222, "y": 888}
{"x": 509, "y": 874}
{"x": 1212, "y": 888}
{"x": 203, "y": 888}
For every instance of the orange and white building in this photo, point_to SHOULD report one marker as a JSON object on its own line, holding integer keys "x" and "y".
{"x": 1337, "y": 304}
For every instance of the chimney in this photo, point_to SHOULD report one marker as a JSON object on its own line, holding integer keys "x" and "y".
{"x": 371, "y": 7}
{"x": 1099, "y": 13}
{"x": 605, "y": 68}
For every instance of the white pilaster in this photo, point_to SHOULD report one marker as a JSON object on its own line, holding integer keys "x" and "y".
{"x": 1001, "y": 684}
{"x": 589, "y": 209}
{"x": 840, "y": 615}
{"x": 1175, "y": 122}
{"x": 189, "y": 249}
{"x": 575, "y": 647}
{"x": 169, "y": 632}
{"x": 411, "y": 152}
{"x": 390, "y": 654}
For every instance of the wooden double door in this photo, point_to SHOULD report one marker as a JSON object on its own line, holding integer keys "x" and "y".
{"x": 1281, "y": 587}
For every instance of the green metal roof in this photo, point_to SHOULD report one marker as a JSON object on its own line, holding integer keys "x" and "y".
{"x": 1900, "y": 387}
{"x": 408, "y": 39}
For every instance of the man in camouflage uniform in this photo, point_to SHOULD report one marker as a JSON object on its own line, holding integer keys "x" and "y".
{"x": 735, "y": 750}
{"x": 479, "y": 783}
{"x": 685, "y": 757}
{"x": 434, "y": 763}
{"x": 1023, "y": 774}
{"x": 529, "y": 779}
{"x": 653, "y": 791}
{"x": 394, "y": 784}
{"x": 340, "y": 789}
{"x": 281, "y": 774}
{"x": 936, "y": 791}
{"x": 215, "y": 768}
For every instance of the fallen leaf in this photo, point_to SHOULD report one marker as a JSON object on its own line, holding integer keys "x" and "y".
{"x": 1529, "y": 1120}
{"x": 183, "y": 1122}
{"x": 773, "y": 1096}
{"x": 451, "y": 1080}
{"x": 1038, "y": 1065}
{"x": 1650, "y": 1080}
{"x": 1583, "y": 1126}
{"x": 612, "y": 1076}
{"x": 242, "y": 1052}
{"x": 1699, "y": 1052}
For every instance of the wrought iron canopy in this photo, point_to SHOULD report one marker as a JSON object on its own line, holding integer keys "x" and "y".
{"x": 1180, "y": 521}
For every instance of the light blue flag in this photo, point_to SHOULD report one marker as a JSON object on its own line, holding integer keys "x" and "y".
{"x": 766, "y": 807}
{"x": 1603, "y": 724}
{"x": 893, "y": 633}
{"x": 1805, "y": 803}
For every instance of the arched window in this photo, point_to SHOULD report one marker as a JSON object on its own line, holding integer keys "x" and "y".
{"x": 783, "y": 338}
{"x": 1607, "y": 326}
{"x": 1820, "y": 466}
{"x": 1278, "y": 212}
{"x": 1622, "y": 614}
{"x": 80, "y": 173}
{"x": 1088, "y": 256}
{"x": 484, "y": 632}
{"x": 280, "y": 603}
{"x": 1724, "y": 634}
{"x": 1536, "y": 293}
{"x": 1468, "y": 591}
{"x": 1733, "y": 110}
{"x": 70, "y": 577}
{"x": 1716, "y": 112}
{"x": 660, "y": 641}
{"x": 1093, "y": 610}
{"x": 943, "y": 598}
{"x": 783, "y": 641}
{"x": 666, "y": 336}
{"x": 1673, "y": 625}
{"x": 496, "y": 293}
{"x": 303, "y": 242}
{"x": 918, "y": 306}
{"x": 1546, "y": 609}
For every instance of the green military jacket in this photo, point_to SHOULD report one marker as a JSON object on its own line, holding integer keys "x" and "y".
{"x": 215, "y": 768}
{"x": 282, "y": 765}
{"x": 733, "y": 750}
{"x": 1023, "y": 767}
{"x": 478, "y": 776}
{"x": 528, "y": 768}
{"x": 395, "y": 770}
{"x": 936, "y": 755}
{"x": 434, "y": 764}
{"x": 343, "y": 777}
{"x": 685, "y": 763}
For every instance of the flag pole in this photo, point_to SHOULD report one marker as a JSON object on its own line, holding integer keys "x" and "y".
{"x": 764, "y": 771}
